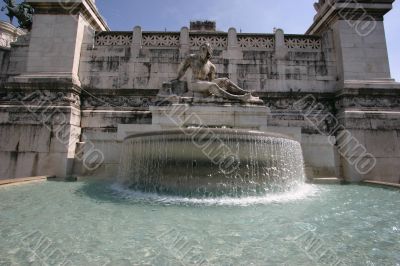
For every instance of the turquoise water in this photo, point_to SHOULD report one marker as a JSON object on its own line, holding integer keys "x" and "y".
{"x": 54, "y": 223}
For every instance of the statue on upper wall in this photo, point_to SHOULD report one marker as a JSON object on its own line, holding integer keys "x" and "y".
{"x": 23, "y": 12}
{"x": 204, "y": 81}
{"x": 318, "y": 5}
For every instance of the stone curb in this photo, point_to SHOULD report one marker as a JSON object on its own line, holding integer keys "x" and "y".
{"x": 380, "y": 183}
{"x": 22, "y": 180}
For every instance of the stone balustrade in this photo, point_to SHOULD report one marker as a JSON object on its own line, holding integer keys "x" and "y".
{"x": 261, "y": 41}
{"x": 113, "y": 38}
{"x": 303, "y": 42}
{"x": 218, "y": 40}
{"x": 160, "y": 39}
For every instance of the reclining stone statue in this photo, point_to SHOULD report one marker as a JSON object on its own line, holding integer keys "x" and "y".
{"x": 204, "y": 81}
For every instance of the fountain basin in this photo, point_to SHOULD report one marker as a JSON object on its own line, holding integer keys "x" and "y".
{"x": 96, "y": 223}
{"x": 211, "y": 162}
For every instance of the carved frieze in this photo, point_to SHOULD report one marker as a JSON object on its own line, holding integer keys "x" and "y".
{"x": 40, "y": 97}
{"x": 370, "y": 102}
{"x": 110, "y": 101}
{"x": 297, "y": 104}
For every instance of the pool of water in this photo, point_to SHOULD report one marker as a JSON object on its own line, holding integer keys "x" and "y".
{"x": 103, "y": 224}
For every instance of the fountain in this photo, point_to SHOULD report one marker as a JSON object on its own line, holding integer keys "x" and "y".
{"x": 209, "y": 180}
{"x": 194, "y": 160}
{"x": 205, "y": 162}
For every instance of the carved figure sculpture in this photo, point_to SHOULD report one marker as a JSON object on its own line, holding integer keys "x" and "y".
{"x": 319, "y": 4}
{"x": 205, "y": 82}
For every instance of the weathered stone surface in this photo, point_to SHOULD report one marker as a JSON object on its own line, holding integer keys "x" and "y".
{"x": 381, "y": 149}
{"x": 24, "y": 164}
{"x": 382, "y": 143}
{"x": 321, "y": 155}
{"x": 110, "y": 119}
{"x": 181, "y": 115}
{"x": 22, "y": 138}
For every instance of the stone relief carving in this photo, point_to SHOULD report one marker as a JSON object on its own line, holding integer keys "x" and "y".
{"x": 289, "y": 104}
{"x": 5, "y": 41}
{"x": 280, "y": 104}
{"x": 161, "y": 40}
{"x": 283, "y": 109}
{"x": 368, "y": 102}
{"x": 256, "y": 42}
{"x": 41, "y": 97}
{"x": 117, "y": 101}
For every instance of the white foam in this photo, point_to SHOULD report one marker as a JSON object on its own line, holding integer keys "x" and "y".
{"x": 300, "y": 193}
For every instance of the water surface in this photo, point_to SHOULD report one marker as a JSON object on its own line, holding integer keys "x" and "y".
{"x": 105, "y": 224}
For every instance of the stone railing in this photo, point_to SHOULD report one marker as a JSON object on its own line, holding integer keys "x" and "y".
{"x": 160, "y": 39}
{"x": 251, "y": 41}
{"x": 113, "y": 38}
{"x": 303, "y": 42}
{"x": 218, "y": 40}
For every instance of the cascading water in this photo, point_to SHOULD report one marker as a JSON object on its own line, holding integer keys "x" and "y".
{"x": 204, "y": 162}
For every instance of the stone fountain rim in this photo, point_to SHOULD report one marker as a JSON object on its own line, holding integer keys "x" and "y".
{"x": 220, "y": 131}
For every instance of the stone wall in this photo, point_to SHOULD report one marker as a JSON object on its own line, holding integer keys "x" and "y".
{"x": 257, "y": 62}
{"x": 11, "y": 39}
{"x": 40, "y": 104}
{"x": 18, "y": 60}
{"x": 4, "y": 64}
{"x": 39, "y": 129}
{"x": 121, "y": 73}
{"x": 13, "y": 59}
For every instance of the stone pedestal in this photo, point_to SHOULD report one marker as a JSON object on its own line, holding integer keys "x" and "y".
{"x": 366, "y": 102}
{"x": 359, "y": 38}
{"x": 56, "y": 39}
{"x": 39, "y": 131}
{"x": 40, "y": 111}
{"x": 368, "y": 140}
{"x": 230, "y": 116}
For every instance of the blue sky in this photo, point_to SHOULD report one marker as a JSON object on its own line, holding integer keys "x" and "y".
{"x": 293, "y": 16}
